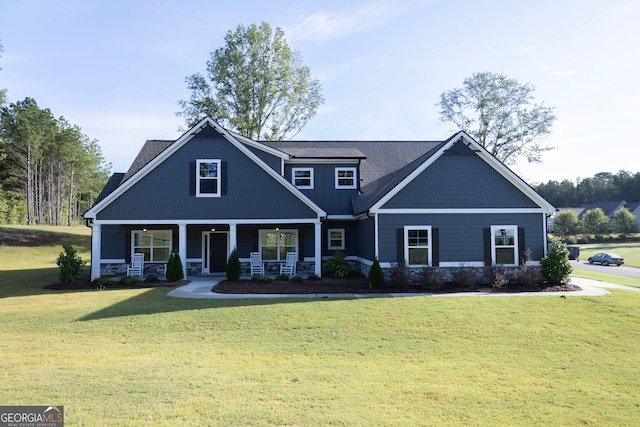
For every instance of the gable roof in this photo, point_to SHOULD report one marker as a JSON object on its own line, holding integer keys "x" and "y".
{"x": 419, "y": 165}
{"x": 609, "y": 208}
{"x": 633, "y": 206}
{"x": 385, "y": 166}
{"x": 154, "y": 152}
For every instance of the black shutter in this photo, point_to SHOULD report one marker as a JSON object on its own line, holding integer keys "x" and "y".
{"x": 435, "y": 247}
{"x": 301, "y": 244}
{"x": 347, "y": 239}
{"x": 192, "y": 178}
{"x": 400, "y": 242}
{"x": 522, "y": 246}
{"x": 487, "y": 246}
{"x": 223, "y": 178}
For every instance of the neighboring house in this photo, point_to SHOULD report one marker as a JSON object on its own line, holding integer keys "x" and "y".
{"x": 437, "y": 203}
{"x": 609, "y": 208}
{"x": 634, "y": 208}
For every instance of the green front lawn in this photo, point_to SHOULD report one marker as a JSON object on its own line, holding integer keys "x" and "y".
{"x": 629, "y": 251}
{"x": 138, "y": 357}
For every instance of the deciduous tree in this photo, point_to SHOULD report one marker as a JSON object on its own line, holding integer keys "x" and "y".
{"x": 566, "y": 223}
{"x": 625, "y": 222}
{"x": 500, "y": 114}
{"x": 594, "y": 221}
{"x": 255, "y": 85}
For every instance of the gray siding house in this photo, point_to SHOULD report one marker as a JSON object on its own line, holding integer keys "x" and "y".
{"x": 436, "y": 203}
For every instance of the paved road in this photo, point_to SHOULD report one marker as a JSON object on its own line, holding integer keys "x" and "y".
{"x": 611, "y": 269}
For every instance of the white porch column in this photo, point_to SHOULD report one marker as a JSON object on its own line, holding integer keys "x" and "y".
{"x": 96, "y": 240}
{"x": 233, "y": 237}
{"x": 182, "y": 246}
{"x": 318, "y": 249}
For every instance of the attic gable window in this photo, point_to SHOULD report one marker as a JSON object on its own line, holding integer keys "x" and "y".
{"x": 208, "y": 178}
{"x": 345, "y": 178}
{"x": 302, "y": 177}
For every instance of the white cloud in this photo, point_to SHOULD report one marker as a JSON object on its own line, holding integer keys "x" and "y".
{"x": 557, "y": 70}
{"x": 329, "y": 25}
{"x": 531, "y": 50}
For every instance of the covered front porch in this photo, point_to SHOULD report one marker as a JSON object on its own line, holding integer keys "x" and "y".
{"x": 204, "y": 246}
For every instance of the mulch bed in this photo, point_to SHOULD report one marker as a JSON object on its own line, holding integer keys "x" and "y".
{"x": 359, "y": 285}
{"x": 326, "y": 285}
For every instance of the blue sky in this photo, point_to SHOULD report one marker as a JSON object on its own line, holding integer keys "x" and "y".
{"x": 117, "y": 68}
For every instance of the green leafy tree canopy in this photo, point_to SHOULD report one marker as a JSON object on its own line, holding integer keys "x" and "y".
{"x": 625, "y": 222}
{"x": 500, "y": 114}
{"x": 255, "y": 85}
{"x": 566, "y": 223}
{"x": 594, "y": 221}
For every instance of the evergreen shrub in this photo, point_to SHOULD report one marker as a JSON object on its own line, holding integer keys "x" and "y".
{"x": 174, "y": 267}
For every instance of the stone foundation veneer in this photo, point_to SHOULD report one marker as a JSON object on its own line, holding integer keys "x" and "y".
{"x": 303, "y": 269}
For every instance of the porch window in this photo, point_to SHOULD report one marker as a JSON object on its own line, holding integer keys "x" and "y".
{"x": 504, "y": 244}
{"x": 335, "y": 239}
{"x": 302, "y": 177}
{"x": 345, "y": 178}
{"x": 154, "y": 244}
{"x": 274, "y": 244}
{"x": 208, "y": 178}
{"x": 417, "y": 241}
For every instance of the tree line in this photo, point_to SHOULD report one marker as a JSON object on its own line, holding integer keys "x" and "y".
{"x": 602, "y": 187}
{"x": 50, "y": 172}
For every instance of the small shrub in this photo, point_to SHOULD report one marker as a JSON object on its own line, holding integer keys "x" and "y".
{"x": 233, "y": 269}
{"x": 463, "y": 276}
{"x": 497, "y": 276}
{"x": 151, "y": 278}
{"x": 174, "y": 268}
{"x": 297, "y": 279}
{"x": 556, "y": 267}
{"x": 400, "y": 275}
{"x": 101, "y": 283}
{"x": 526, "y": 274}
{"x": 376, "y": 275}
{"x": 70, "y": 264}
{"x": 282, "y": 277}
{"x": 263, "y": 279}
{"x": 313, "y": 277}
{"x": 337, "y": 266}
{"x": 431, "y": 278}
{"x": 130, "y": 281}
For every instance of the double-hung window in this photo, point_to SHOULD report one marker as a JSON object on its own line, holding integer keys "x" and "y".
{"x": 274, "y": 244}
{"x": 335, "y": 239}
{"x": 208, "y": 178}
{"x": 417, "y": 245}
{"x": 504, "y": 244}
{"x": 302, "y": 177}
{"x": 154, "y": 244}
{"x": 346, "y": 178}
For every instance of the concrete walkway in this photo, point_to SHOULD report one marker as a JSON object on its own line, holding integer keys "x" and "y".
{"x": 200, "y": 287}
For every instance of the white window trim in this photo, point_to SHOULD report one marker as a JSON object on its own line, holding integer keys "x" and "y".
{"x": 494, "y": 230}
{"x": 260, "y": 231}
{"x": 406, "y": 244}
{"x": 329, "y": 239}
{"x": 198, "y": 178}
{"x": 346, "y": 187}
{"x": 151, "y": 248}
{"x": 293, "y": 178}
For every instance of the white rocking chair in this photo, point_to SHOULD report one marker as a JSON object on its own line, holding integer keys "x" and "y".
{"x": 289, "y": 267}
{"x": 136, "y": 268}
{"x": 257, "y": 266}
